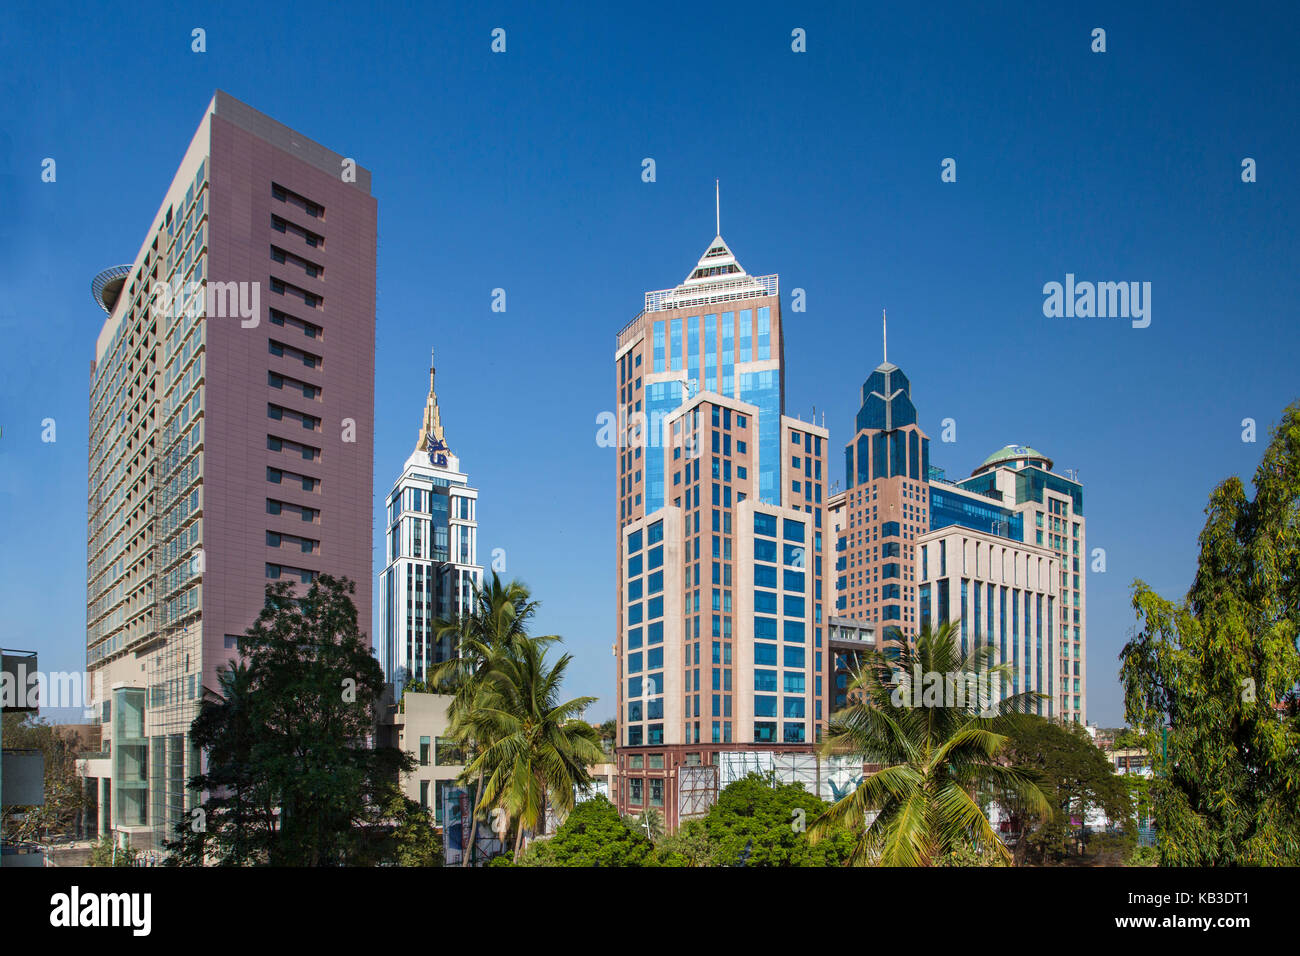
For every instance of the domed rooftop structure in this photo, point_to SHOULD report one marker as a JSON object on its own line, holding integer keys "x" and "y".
{"x": 107, "y": 286}
{"x": 1014, "y": 456}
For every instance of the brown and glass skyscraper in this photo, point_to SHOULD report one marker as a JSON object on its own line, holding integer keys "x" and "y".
{"x": 720, "y": 540}
{"x": 231, "y": 436}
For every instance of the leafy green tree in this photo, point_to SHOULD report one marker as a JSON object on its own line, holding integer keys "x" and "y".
{"x": 410, "y": 839}
{"x": 940, "y": 758}
{"x": 103, "y": 854}
{"x": 65, "y": 792}
{"x": 592, "y": 835}
{"x": 289, "y": 740}
{"x": 532, "y": 746}
{"x": 1219, "y": 670}
{"x": 759, "y": 823}
{"x": 691, "y": 845}
{"x": 237, "y": 823}
{"x": 1073, "y": 775}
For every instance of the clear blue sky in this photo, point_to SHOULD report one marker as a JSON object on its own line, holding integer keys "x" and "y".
{"x": 522, "y": 171}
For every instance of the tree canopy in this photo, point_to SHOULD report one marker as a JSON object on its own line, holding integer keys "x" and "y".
{"x": 1074, "y": 776}
{"x": 293, "y": 777}
{"x": 1220, "y": 669}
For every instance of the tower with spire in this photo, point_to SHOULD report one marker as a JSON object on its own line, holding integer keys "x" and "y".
{"x": 431, "y": 551}
{"x": 884, "y": 505}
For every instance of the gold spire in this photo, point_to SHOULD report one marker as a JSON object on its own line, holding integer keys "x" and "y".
{"x": 431, "y": 434}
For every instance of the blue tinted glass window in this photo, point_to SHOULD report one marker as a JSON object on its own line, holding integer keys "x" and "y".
{"x": 764, "y": 706}
{"x": 765, "y": 524}
{"x": 765, "y": 654}
{"x": 793, "y": 530}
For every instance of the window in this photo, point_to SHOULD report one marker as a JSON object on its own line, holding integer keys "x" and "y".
{"x": 426, "y": 747}
{"x": 447, "y": 753}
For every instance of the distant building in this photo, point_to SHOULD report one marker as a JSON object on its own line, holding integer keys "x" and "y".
{"x": 1130, "y": 760}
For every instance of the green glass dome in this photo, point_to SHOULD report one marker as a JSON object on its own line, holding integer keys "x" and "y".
{"x": 1013, "y": 453}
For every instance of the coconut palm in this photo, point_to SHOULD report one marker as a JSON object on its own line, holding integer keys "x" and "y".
{"x": 938, "y": 748}
{"x": 496, "y": 620}
{"x": 532, "y": 747}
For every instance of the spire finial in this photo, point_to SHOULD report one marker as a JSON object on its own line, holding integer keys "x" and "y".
{"x": 884, "y": 335}
{"x": 717, "y": 207}
{"x": 431, "y": 433}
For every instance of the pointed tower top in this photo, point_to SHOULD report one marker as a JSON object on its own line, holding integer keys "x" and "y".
{"x": 717, "y": 207}
{"x": 884, "y": 336}
{"x": 431, "y": 433}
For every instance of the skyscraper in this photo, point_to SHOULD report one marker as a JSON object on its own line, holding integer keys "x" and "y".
{"x": 720, "y": 538}
{"x": 231, "y": 436}
{"x": 883, "y": 508}
{"x": 431, "y": 552}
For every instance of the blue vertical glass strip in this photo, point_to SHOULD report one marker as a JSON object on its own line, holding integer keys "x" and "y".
{"x": 763, "y": 389}
{"x": 711, "y": 353}
{"x": 746, "y": 334}
{"x": 675, "y": 343}
{"x": 661, "y": 399}
{"x": 693, "y": 349}
{"x": 764, "y": 333}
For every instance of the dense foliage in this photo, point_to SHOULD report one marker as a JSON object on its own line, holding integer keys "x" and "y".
{"x": 292, "y": 776}
{"x": 1073, "y": 775}
{"x": 1220, "y": 670}
{"x": 65, "y": 795}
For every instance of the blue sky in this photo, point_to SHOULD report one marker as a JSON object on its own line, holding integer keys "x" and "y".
{"x": 523, "y": 171}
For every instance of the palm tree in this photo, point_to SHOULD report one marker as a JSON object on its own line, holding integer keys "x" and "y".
{"x": 939, "y": 756}
{"x": 532, "y": 747}
{"x": 650, "y": 822}
{"x": 497, "y": 619}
